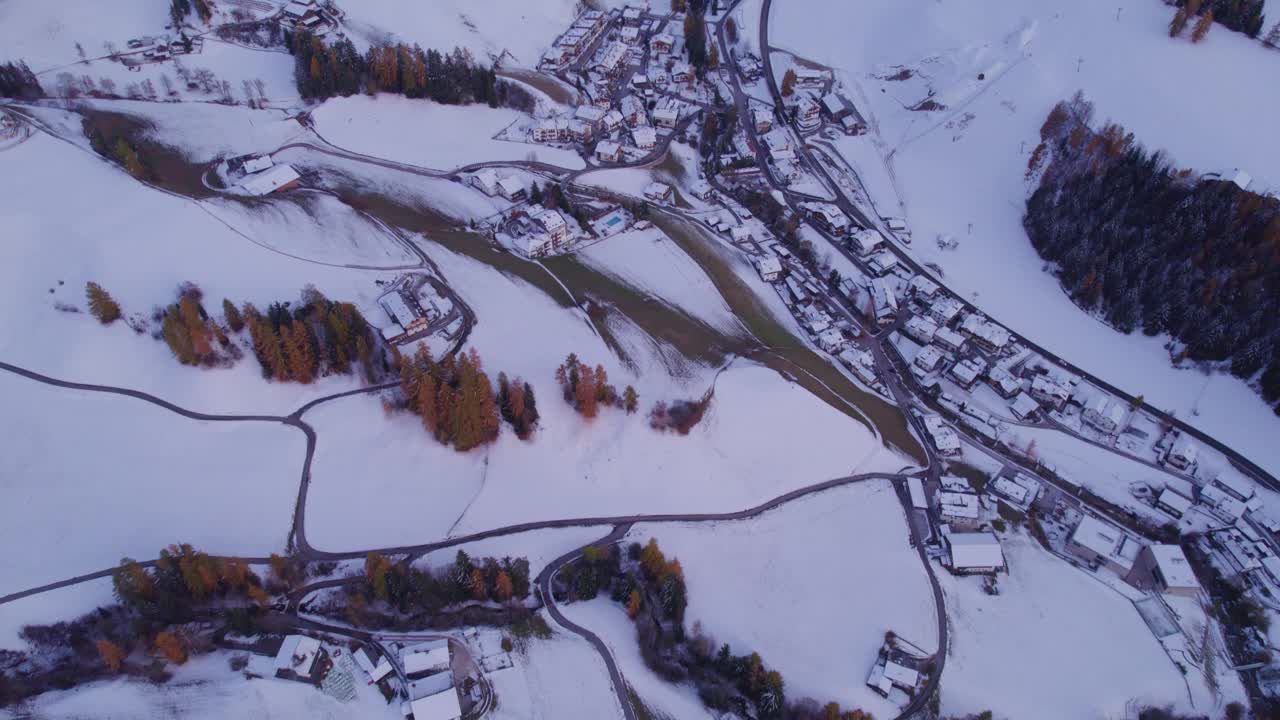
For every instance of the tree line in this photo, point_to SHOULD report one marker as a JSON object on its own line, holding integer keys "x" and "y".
{"x": 586, "y": 389}
{"x": 327, "y": 70}
{"x": 409, "y": 589}
{"x": 1153, "y": 248}
{"x": 455, "y": 398}
{"x": 1244, "y": 16}
{"x": 17, "y": 81}
{"x": 651, "y": 587}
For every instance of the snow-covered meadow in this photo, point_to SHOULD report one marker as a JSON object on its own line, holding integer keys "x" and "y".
{"x": 960, "y": 170}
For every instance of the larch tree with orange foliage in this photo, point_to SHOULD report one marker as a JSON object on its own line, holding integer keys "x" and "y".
{"x": 112, "y": 655}
{"x": 171, "y": 646}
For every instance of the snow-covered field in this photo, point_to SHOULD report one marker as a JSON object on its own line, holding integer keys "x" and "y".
{"x": 422, "y": 132}
{"x": 45, "y": 34}
{"x": 1055, "y": 644}
{"x": 960, "y": 170}
{"x": 51, "y": 607}
{"x": 539, "y": 547}
{"x": 206, "y": 688}
{"x": 813, "y": 587}
{"x": 89, "y": 478}
{"x": 561, "y": 677}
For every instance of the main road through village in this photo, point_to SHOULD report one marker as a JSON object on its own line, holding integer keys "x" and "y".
{"x": 901, "y": 390}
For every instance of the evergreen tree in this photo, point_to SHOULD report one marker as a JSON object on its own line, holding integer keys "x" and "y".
{"x": 1178, "y": 23}
{"x": 788, "y": 83}
{"x": 1202, "y": 26}
{"x": 101, "y": 305}
{"x": 630, "y": 400}
{"x": 232, "y": 316}
{"x": 171, "y": 647}
{"x": 111, "y": 654}
{"x": 1273, "y": 37}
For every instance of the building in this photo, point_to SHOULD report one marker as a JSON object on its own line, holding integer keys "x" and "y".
{"x": 1024, "y": 406}
{"x": 835, "y": 107}
{"x": 974, "y": 552}
{"x": 662, "y": 43}
{"x": 808, "y": 113}
{"x": 1103, "y": 545}
{"x": 740, "y": 234}
{"x": 1174, "y": 503}
{"x": 1104, "y": 415}
{"x": 966, "y": 372}
{"x": 632, "y": 15}
{"x": 552, "y": 223}
{"x": 608, "y": 151}
{"x": 426, "y": 658}
{"x": 1235, "y": 486}
{"x": 612, "y": 120}
{"x": 630, "y": 35}
{"x": 807, "y": 77}
{"x": 1164, "y": 568}
{"x": 950, "y": 339}
{"x": 828, "y": 217}
{"x": 550, "y": 130}
{"x": 681, "y": 72}
{"x": 884, "y": 303}
{"x": 1049, "y": 393}
{"x": 770, "y": 268}
{"x": 633, "y": 111}
{"x": 255, "y": 164}
{"x": 1003, "y": 382}
{"x": 658, "y": 192}
{"x": 1225, "y": 506}
{"x": 440, "y": 706}
{"x": 1020, "y": 490}
{"x": 920, "y": 328}
{"x": 945, "y": 309}
{"x": 297, "y": 657}
{"x": 866, "y": 241}
{"x": 832, "y": 340}
{"x": 959, "y": 509}
{"x": 590, "y": 114}
{"x": 276, "y": 179}
{"x": 920, "y": 287}
{"x": 929, "y": 358}
{"x": 667, "y": 116}
{"x": 398, "y": 310}
{"x": 610, "y": 60}
{"x": 486, "y": 181}
{"x": 645, "y": 137}
{"x": 763, "y": 120}
{"x": 1182, "y": 453}
{"x": 512, "y": 188}
{"x": 985, "y": 334}
{"x": 944, "y": 438}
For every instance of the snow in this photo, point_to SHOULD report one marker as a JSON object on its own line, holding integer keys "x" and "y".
{"x": 90, "y": 478}
{"x": 1053, "y": 644}
{"x": 539, "y": 547}
{"x": 425, "y": 133}
{"x": 51, "y": 607}
{"x": 204, "y": 688}
{"x": 561, "y": 677}
{"x": 966, "y": 164}
{"x": 44, "y": 34}
{"x": 816, "y": 612}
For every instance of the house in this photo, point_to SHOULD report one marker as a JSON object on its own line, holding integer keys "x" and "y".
{"x": 667, "y": 116}
{"x": 398, "y": 310}
{"x": 959, "y": 508}
{"x": 945, "y": 309}
{"x": 861, "y": 362}
{"x": 770, "y": 268}
{"x": 1024, "y": 406}
{"x": 865, "y": 241}
{"x": 361, "y": 656}
{"x": 608, "y": 151}
{"x": 535, "y": 244}
{"x": 835, "y": 106}
{"x": 920, "y": 328}
{"x": 254, "y": 164}
{"x": 552, "y": 222}
{"x": 632, "y": 15}
{"x": 581, "y": 130}
{"x": 1235, "y": 486}
{"x": 929, "y": 358}
{"x": 966, "y": 372}
{"x": 974, "y": 552}
{"x": 440, "y": 706}
{"x": 1164, "y": 568}
{"x": 1003, "y": 382}
{"x": 702, "y": 190}
{"x": 806, "y": 77}
{"x": 920, "y": 287}
{"x": 550, "y": 130}
{"x": 808, "y": 113}
{"x": 658, "y": 192}
{"x": 276, "y": 179}
{"x": 645, "y": 137}
{"x": 1173, "y": 503}
{"x": 1048, "y": 392}
{"x": 612, "y": 120}
{"x": 556, "y": 57}
{"x": 426, "y": 658}
{"x": 512, "y": 188}
{"x": 1182, "y": 453}
{"x": 950, "y": 339}
{"x": 681, "y": 72}
{"x": 630, "y": 35}
{"x": 740, "y": 234}
{"x": 1225, "y": 506}
{"x": 610, "y": 60}
{"x": 891, "y": 670}
{"x": 486, "y": 181}
{"x": 763, "y": 120}
{"x": 832, "y": 340}
{"x": 944, "y": 438}
{"x": 828, "y": 217}
{"x": 1020, "y": 490}
{"x": 633, "y": 112}
{"x": 662, "y": 43}
{"x": 1103, "y": 545}
{"x": 985, "y": 334}
{"x": 382, "y": 670}
{"x": 590, "y": 114}
{"x": 297, "y": 657}
{"x": 884, "y": 303}
{"x": 1104, "y": 415}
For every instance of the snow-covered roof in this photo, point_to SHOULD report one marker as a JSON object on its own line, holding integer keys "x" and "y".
{"x": 663, "y": 39}
{"x": 268, "y": 181}
{"x": 669, "y": 114}
{"x": 550, "y": 220}
{"x": 945, "y": 308}
{"x": 929, "y": 357}
{"x": 1043, "y": 385}
{"x": 297, "y": 654}
{"x": 1105, "y": 540}
{"x": 915, "y": 486}
{"x": 1173, "y": 566}
{"x": 1023, "y": 405}
{"x": 433, "y": 659}
{"x": 1012, "y": 489}
{"x": 943, "y": 436}
{"x": 831, "y": 336}
{"x": 258, "y": 164}
{"x": 921, "y": 284}
{"x": 921, "y": 328}
{"x": 901, "y": 675}
{"x": 441, "y": 706}
{"x": 1235, "y": 483}
{"x": 1174, "y": 500}
{"x": 382, "y": 670}
{"x": 966, "y": 371}
{"x": 1184, "y": 447}
{"x": 770, "y": 264}
{"x": 958, "y": 505}
{"x": 656, "y": 189}
{"x": 949, "y": 338}
{"x": 1223, "y": 505}
{"x": 487, "y": 177}
{"x": 833, "y": 103}
{"x": 397, "y": 308}
{"x": 362, "y": 659}
{"x": 645, "y": 136}
{"x": 510, "y": 185}
{"x": 975, "y": 550}
{"x": 609, "y": 148}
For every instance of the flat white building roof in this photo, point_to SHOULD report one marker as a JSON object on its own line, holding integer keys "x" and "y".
{"x": 433, "y": 659}
{"x": 975, "y": 550}
{"x": 268, "y": 181}
{"x": 298, "y": 654}
{"x": 441, "y": 706}
{"x": 1173, "y": 566}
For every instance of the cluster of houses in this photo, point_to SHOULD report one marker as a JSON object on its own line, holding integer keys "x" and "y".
{"x": 896, "y": 669}
{"x": 813, "y": 103}
{"x": 309, "y": 15}
{"x": 164, "y": 48}
{"x": 411, "y": 317}
{"x": 431, "y": 692}
{"x": 571, "y": 45}
{"x": 1154, "y": 567}
{"x": 259, "y": 175}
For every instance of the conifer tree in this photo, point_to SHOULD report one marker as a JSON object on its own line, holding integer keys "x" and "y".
{"x": 502, "y": 587}
{"x": 101, "y": 305}
{"x": 111, "y": 654}
{"x": 477, "y": 585}
{"x": 1203, "y": 26}
{"x": 789, "y": 83}
{"x": 585, "y": 396}
{"x": 630, "y": 399}
{"x": 232, "y": 316}
{"x": 1178, "y": 23}
{"x": 172, "y": 647}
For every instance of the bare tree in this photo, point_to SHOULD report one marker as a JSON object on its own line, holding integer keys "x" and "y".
{"x": 133, "y": 91}
{"x": 108, "y": 85}
{"x": 84, "y": 58}
{"x": 246, "y": 86}
{"x": 149, "y": 88}
{"x": 112, "y": 51}
{"x": 67, "y": 86}
{"x": 226, "y": 93}
{"x": 167, "y": 82}
{"x": 205, "y": 78}
{"x": 86, "y": 85}
{"x": 262, "y": 88}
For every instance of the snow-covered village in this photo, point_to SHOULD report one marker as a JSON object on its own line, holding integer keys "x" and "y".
{"x": 640, "y": 359}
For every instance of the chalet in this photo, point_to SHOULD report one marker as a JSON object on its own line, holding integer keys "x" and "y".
{"x": 611, "y": 121}
{"x": 770, "y": 268}
{"x": 1102, "y": 544}
{"x": 945, "y": 309}
{"x": 1182, "y": 453}
{"x": 552, "y": 223}
{"x": 658, "y": 192}
{"x": 929, "y": 358}
{"x": 832, "y": 340}
{"x": 740, "y": 234}
{"x": 702, "y": 190}
{"x": 610, "y": 60}
{"x": 1164, "y": 568}
{"x": 944, "y": 438}
{"x": 865, "y": 241}
{"x": 556, "y": 57}
{"x": 667, "y": 116}
{"x": 1048, "y": 392}
{"x": 950, "y": 339}
{"x": 1104, "y": 415}
{"x": 1173, "y": 503}
{"x": 630, "y": 35}
{"x": 580, "y": 130}
{"x": 984, "y": 333}
{"x": 1024, "y": 406}
{"x": 632, "y": 16}
{"x": 806, "y": 77}
{"x": 633, "y": 111}
{"x": 1235, "y": 486}
{"x": 662, "y": 43}
{"x": 299, "y": 11}
{"x": 779, "y": 145}
{"x": 486, "y": 181}
{"x": 974, "y": 552}
{"x": 535, "y": 244}
{"x": 921, "y": 328}
{"x": 1223, "y": 505}
{"x": 1020, "y": 490}
{"x": 550, "y": 130}
{"x": 590, "y": 114}
{"x": 883, "y": 302}
{"x": 828, "y": 217}
{"x": 966, "y": 372}
{"x": 763, "y": 120}
{"x": 276, "y": 179}
{"x": 639, "y": 81}
{"x": 796, "y": 291}
{"x": 750, "y": 67}
{"x": 1004, "y": 383}
{"x": 921, "y": 287}
{"x": 296, "y": 659}
{"x": 254, "y": 164}
{"x": 512, "y": 188}
{"x": 681, "y": 72}
{"x": 808, "y": 113}
{"x": 657, "y": 78}
{"x": 608, "y": 151}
